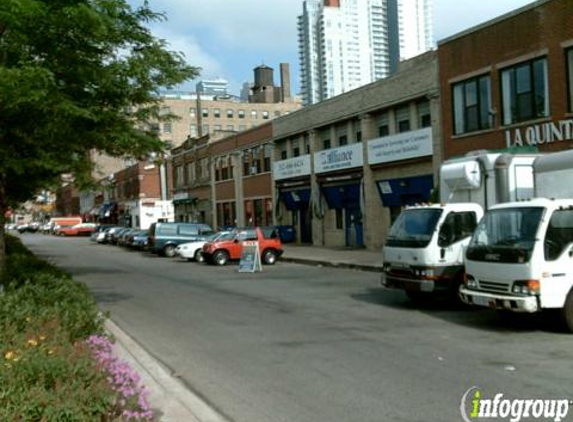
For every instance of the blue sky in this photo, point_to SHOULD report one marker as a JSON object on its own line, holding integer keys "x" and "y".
{"x": 228, "y": 38}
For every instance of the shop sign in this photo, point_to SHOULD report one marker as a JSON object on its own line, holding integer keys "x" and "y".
{"x": 292, "y": 167}
{"x": 403, "y": 146}
{"x": 341, "y": 158}
{"x": 543, "y": 133}
{"x": 180, "y": 196}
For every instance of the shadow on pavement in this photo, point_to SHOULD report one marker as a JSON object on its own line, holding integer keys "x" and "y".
{"x": 109, "y": 297}
{"x": 77, "y": 271}
{"x": 467, "y": 316}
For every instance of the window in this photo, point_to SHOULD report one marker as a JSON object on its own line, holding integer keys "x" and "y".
{"x": 559, "y": 234}
{"x": 267, "y": 151}
{"x": 242, "y": 127}
{"x": 246, "y": 162}
{"x": 167, "y": 128}
{"x": 383, "y": 125}
{"x": 205, "y": 112}
{"x": 179, "y": 182}
{"x": 190, "y": 173}
{"x": 230, "y": 114}
{"x": 424, "y": 117}
{"x": 241, "y": 114}
{"x": 457, "y": 226}
{"x": 189, "y": 230}
{"x": 296, "y": 152}
{"x": 231, "y": 127}
{"x": 472, "y": 105}
{"x": 358, "y": 136}
{"x": 326, "y": 144}
{"x": 343, "y": 140}
{"x": 284, "y": 155}
{"x": 265, "y": 115}
{"x": 403, "y": 119}
{"x": 277, "y": 113}
{"x": 525, "y": 93}
{"x": 254, "y": 114}
{"x": 216, "y": 113}
{"x": 216, "y": 127}
{"x": 192, "y": 111}
{"x": 570, "y": 73}
{"x": 205, "y": 129}
{"x": 193, "y": 130}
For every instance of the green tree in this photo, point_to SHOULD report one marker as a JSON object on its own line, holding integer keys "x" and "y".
{"x": 76, "y": 76}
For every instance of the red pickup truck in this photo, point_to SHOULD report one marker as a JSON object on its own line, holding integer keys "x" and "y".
{"x": 223, "y": 251}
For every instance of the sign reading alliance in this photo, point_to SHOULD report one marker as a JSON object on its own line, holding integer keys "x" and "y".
{"x": 403, "y": 146}
{"x": 341, "y": 158}
{"x": 292, "y": 167}
{"x": 544, "y": 133}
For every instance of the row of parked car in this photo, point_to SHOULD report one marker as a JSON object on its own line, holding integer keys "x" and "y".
{"x": 194, "y": 242}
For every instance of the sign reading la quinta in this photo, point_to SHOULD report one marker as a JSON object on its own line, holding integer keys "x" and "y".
{"x": 543, "y": 133}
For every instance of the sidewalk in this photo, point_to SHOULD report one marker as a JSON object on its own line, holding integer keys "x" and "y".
{"x": 358, "y": 259}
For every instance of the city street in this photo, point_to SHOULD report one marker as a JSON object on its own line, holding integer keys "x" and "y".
{"x": 300, "y": 343}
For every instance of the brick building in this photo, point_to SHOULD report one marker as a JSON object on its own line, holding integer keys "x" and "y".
{"x": 225, "y": 182}
{"x": 509, "y": 81}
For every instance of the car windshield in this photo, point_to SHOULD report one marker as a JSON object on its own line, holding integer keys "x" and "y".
{"x": 414, "y": 227}
{"x": 220, "y": 236}
{"x": 506, "y": 235}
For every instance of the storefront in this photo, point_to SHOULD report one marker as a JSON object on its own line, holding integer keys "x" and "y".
{"x": 339, "y": 178}
{"x": 293, "y": 189}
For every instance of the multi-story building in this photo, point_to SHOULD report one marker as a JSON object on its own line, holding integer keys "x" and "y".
{"x": 218, "y": 117}
{"x": 344, "y": 168}
{"x": 346, "y": 44}
{"x": 226, "y": 182}
{"x": 509, "y": 81}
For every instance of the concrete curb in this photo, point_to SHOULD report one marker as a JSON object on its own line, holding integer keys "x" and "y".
{"x": 346, "y": 265}
{"x": 169, "y": 398}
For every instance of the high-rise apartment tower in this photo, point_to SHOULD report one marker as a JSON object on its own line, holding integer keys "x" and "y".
{"x": 345, "y": 44}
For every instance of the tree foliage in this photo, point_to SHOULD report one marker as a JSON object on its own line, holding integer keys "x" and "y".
{"x": 76, "y": 76}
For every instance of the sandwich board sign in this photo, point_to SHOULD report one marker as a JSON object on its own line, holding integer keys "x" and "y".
{"x": 250, "y": 258}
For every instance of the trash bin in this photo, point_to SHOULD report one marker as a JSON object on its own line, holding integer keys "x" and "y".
{"x": 287, "y": 233}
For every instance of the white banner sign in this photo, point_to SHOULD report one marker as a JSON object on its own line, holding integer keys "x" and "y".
{"x": 346, "y": 157}
{"x": 292, "y": 167}
{"x": 403, "y": 146}
{"x": 180, "y": 196}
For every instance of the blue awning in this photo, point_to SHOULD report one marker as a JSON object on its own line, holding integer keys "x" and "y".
{"x": 405, "y": 191}
{"x": 342, "y": 196}
{"x": 296, "y": 199}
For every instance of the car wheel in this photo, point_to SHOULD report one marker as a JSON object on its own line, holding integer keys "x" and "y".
{"x": 199, "y": 256}
{"x": 269, "y": 257}
{"x": 221, "y": 258}
{"x": 169, "y": 251}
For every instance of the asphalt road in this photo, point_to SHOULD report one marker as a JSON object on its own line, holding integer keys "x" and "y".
{"x": 306, "y": 344}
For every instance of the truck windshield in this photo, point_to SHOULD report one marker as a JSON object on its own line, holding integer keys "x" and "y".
{"x": 506, "y": 235}
{"x": 414, "y": 228}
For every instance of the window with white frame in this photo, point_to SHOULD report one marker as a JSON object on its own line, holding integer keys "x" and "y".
{"x": 216, "y": 113}
{"x": 525, "y": 91}
{"x": 472, "y": 105}
{"x": 570, "y": 77}
{"x": 254, "y": 114}
{"x": 193, "y": 130}
{"x": 265, "y": 115}
{"x": 167, "y": 128}
{"x": 230, "y": 113}
{"x": 192, "y": 111}
{"x": 241, "y": 114}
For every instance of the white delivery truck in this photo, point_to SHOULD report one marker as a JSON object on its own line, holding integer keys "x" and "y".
{"x": 520, "y": 257}
{"x": 424, "y": 251}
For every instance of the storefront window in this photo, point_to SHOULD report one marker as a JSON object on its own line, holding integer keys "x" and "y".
{"x": 525, "y": 92}
{"x": 259, "y": 212}
{"x": 472, "y": 105}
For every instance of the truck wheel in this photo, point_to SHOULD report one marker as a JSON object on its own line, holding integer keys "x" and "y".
{"x": 169, "y": 251}
{"x": 269, "y": 257}
{"x": 567, "y": 312}
{"x": 221, "y": 258}
{"x": 198, "y": 256}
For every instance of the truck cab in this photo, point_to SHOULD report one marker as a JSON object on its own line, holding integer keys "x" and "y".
{"x": 424, "y": 250}
{"x": 520, "y": 257}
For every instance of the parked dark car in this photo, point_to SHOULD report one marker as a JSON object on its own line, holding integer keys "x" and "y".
{"x": 164, "y": 237}
{"x": 139, "y": 239}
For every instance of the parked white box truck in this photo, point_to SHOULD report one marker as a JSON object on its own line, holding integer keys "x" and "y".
{"x": 520, "y": 257}
{"x": 424, "y": 251}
